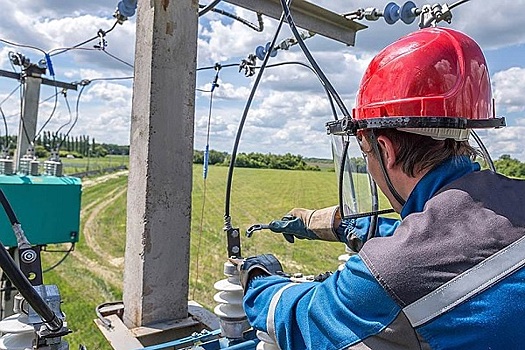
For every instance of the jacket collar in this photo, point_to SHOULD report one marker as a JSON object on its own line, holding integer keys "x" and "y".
{"x": 448, "y": 171}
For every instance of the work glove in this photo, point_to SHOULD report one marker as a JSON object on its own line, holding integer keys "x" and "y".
{"x": 308, "y": 224}
{"x": 255, "y": 266}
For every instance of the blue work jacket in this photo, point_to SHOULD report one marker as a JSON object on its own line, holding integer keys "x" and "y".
{"x": 447, "y": 276}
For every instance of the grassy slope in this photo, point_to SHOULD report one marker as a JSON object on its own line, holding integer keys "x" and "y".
{"x": 258, "y": 195}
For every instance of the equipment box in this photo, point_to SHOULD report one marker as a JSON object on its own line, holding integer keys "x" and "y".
{"x": 48, "y": 208}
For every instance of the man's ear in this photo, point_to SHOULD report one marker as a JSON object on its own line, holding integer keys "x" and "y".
{"x": 389, "y": 151}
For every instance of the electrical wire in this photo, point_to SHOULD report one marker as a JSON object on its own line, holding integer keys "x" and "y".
{"x": 108, "y": 79}
{"x": 22, "y": 93}
{"x": 69, "y": 121}
{"x": 40, "y": 102}
{"x": 6, "y": 130}
{"x": 59, "y": 262}
{"x": 76, "y": 116}
{"x": 50, "y": 115}
{"x": 257, "y": 28}
{"x": 209, "y": 7}
{"x": 222, "y": 65}
{"x": 241, "y": 124}
{"x": 310, "y": 58}
{"x": 460, "y": 2}
{"x": 59, "y": 51}
{"x": 116, "y": 58}
{"x": 205, "y": 176}
{"x": 21, "y": 283}
{"x": 84, "y": 83}
{"x": 102, "y": 319}
{"x": 22, "y": 45}
{"x": 335, "y": 95}
{"x": 10, "y": 94}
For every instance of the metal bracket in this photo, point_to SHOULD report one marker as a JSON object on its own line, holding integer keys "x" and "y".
{"x": 308, "y": 16}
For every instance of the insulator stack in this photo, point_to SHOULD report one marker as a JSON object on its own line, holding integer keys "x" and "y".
{"x": 29, "y": 166}
{"x": 232, "y": 317}
{"x": 6, "y": 167}
{"x": 53, "y": 168}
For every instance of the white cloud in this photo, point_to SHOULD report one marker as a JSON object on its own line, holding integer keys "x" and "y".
{"x": 509, "y": 90}
{"x": 290, "y": 106}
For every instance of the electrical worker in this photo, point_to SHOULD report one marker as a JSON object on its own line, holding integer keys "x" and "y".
{"x": 448, "y": 274}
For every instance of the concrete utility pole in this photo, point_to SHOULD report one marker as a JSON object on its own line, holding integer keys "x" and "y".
{"x": 31, "y": 78}
{"x": 156, "y": 271}
{"x": 27, "y": 126}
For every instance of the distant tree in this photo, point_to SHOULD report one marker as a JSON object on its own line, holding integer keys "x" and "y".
{"x": 358, "y": 164}
{"x": 41, "y": 152}
{"x": 510, "y": 166}
{"x": 99, "y": 151}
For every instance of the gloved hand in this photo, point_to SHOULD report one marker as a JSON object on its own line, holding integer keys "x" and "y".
{"x": 260, "y": 265}
{"x": 308, "y": 224}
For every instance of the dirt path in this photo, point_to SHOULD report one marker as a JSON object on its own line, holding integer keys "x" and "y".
{"x": 91, "y": 226}
{"x": 100, "y": 179}
{"x": 113, "y": 272}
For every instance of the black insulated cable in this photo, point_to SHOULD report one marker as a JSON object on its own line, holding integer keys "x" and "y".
{"x": 21, "y": 283}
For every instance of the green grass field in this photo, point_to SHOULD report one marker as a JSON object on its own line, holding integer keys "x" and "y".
{"x": 77, "y": 165}
{"x": 92, "y": 274}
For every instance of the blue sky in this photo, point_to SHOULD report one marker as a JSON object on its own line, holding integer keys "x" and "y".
{"x": 290, "y": 107}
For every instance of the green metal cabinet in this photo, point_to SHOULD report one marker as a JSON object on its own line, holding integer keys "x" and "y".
{"x": 48, "y": 207}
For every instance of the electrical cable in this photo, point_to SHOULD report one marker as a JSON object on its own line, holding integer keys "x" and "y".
{"x": 6, "y": 130}
{"x": 335, "y": 95}
{"x": 248, "y": 104}
{"x": 50, "y": 97}
{"x": 70, "y": 118}
{"x": 84, "y": 83}
{"x": 257, "y": 28}
{"x": 10, "y": 94}
{"x": 22, "y": 92}
{"x": 241, "y": 125}
{"x": 76, "y": 116}
{"x": 102, "y": 319}
{"x": 20, "y": 281}
{"x": 59, "y": 51}
{"x": 460, "y": 2}
{"x": 222, "y": 65}
{"x": 107, "y": 79}
{"x": 209, "y": 7}
{"x": 22, "y": 45}
{"x": 50, "y": 115}
{"x": 205, "y": 176}
{"x": 59, "y": 262}
{"x": 310, "y": 58}
{"x": 77, "y": 48}
{"x": 116, "y": 58}
{"x": 40, "y": 102}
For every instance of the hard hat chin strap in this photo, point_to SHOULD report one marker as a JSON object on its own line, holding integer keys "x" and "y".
{"x": 375, "y": 146}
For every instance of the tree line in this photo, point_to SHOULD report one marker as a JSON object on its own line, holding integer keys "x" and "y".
{"x": 86, "y": 146}
{"x": 256, "y": 160}
{"x": 78, "y": 146}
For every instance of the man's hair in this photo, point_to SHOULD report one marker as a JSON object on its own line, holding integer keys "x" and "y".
{"x": 416, "y": 153}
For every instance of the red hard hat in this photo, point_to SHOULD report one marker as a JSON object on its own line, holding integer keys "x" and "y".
{"x": 432, "y": 78}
